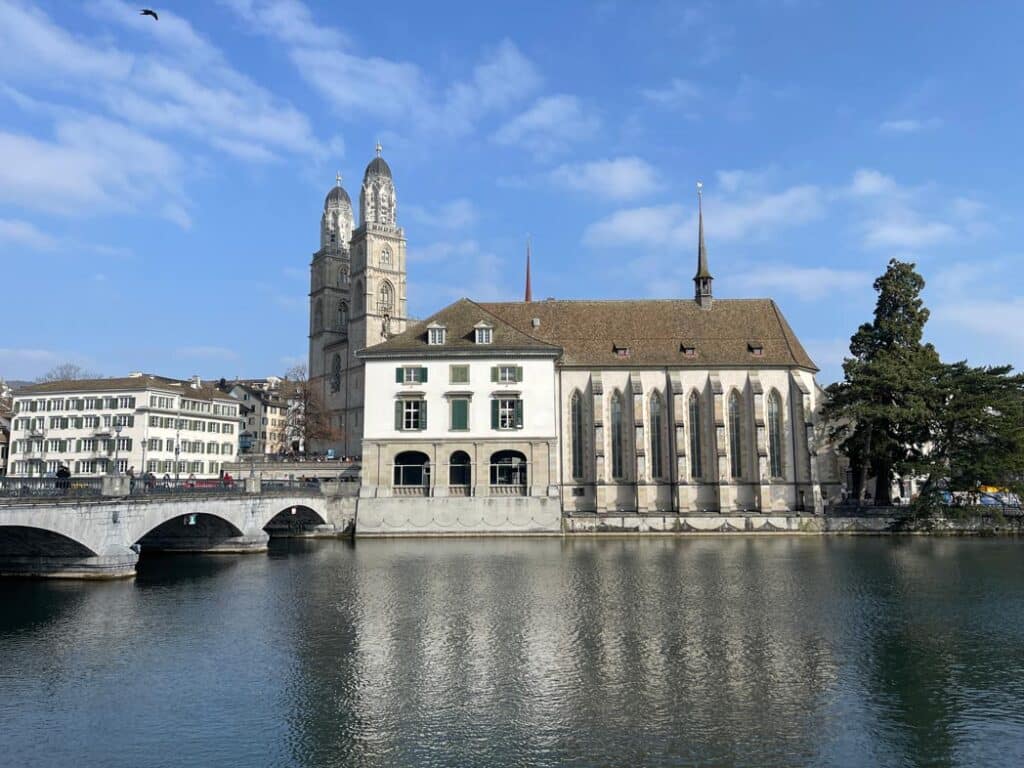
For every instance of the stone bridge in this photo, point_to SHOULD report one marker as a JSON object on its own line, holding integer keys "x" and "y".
{"x": 101, "y": 537}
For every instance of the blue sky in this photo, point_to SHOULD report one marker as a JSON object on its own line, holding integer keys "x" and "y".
{"x": 161, "y": 183}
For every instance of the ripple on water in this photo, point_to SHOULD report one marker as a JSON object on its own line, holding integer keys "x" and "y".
{"x": 717, "y": 651}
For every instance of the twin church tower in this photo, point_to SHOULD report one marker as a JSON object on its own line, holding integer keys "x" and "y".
{"x": 357, "y": 298}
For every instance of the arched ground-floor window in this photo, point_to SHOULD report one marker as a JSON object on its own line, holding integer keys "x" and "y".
{"x": 508, "y": 470}
{"x": 460, "y": 472}
{"x": 412, "y": 470}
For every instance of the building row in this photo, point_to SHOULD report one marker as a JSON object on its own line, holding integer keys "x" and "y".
{"x": 683, "y": 405}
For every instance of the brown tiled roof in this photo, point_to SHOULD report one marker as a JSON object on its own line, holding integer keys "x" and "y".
{"x": 205, "y": 391}
{"x": 654, "y": 332}
{"x": 459, "y": 320}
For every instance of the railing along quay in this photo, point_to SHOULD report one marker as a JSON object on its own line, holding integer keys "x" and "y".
{"x": 49, "y": 487}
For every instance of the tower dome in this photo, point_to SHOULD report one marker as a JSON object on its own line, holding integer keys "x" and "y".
{"x": 337, "y": 222}
{"x": 378, "y": 203}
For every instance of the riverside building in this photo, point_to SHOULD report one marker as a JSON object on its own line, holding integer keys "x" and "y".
{"x": 141, "y": 422}
{"x": 685, "y": 406}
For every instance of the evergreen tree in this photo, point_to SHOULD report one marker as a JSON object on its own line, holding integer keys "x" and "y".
{"x": 977, "y": 430}
{"x": 881, "y": 413}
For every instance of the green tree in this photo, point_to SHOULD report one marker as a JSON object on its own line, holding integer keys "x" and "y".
{"x": 977, "y": 432}
{"x": 881, "y": 413}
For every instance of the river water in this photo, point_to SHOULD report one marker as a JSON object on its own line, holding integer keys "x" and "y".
{"x": 770, "y": 651}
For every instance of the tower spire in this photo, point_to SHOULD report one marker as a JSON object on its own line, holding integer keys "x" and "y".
{"x": 702, "y": 280}
{"x": 529, "y": 292}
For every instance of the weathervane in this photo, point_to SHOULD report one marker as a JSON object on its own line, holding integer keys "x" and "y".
{"x": 700, "y": 189}
{"x": 337, "y": 178}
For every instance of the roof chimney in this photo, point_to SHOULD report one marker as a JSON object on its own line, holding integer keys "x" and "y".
{"x": 196, "y": 382}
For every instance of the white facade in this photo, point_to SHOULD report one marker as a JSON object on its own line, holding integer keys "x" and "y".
{"x": 536, "y": 390}
{"x": 140, "y": 423}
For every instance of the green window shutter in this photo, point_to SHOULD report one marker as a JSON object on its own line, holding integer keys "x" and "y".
{"x": 494, "y": 373}
{"x": 398, "y": 376}
{"x": 398, "y": 413}
{"x": 460, "y": 414}
{"x": 423, "y": 413}
{"x": 519, "y": 373}
{"x": 78, "y": 446}
{"x": 494, "y": 411}
{"x": 423, "y": 375}
{"x": 519, "y": 414}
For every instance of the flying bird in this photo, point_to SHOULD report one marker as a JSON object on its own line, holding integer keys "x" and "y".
{"x": 149, "y": 12}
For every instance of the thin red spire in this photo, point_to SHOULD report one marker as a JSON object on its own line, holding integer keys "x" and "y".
{"x": 529, "y": 292}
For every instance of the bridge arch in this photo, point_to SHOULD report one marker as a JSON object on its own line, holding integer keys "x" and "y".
{"x": 30, "y": 541}
{"x": 295, "y": 518}
{"x": 190, "y": 531}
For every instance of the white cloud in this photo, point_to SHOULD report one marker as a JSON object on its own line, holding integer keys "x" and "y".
{"x": 994, "y": 319}
{"x": 444, "y": 251}
{"x": 91, "y": 164}
{"x": 385, "y": 87}
{"x": 868, "y": 182}
{"x": 454, "y": 214}
{"x": 549, "y": 126}
{"x": 906, "y": 126}
{"x": 15, "y": 232}
{"x": 679, "y": 94}
{"x": 33, "y": 48}
{"x": 903, "y": 229}
{"x": 805, "y": 283}
{"x": 731, "y": 220}
{"x": 620, "y": 178}
{"x": 649, "y": 225}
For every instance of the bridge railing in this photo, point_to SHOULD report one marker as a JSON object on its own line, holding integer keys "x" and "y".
{"x": 49, "y": 487}
{"x": 158, "y": 487}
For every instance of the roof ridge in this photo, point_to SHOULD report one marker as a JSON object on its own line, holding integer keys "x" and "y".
{"x": 514, "y": 327}
{"x": 612, "y": 301}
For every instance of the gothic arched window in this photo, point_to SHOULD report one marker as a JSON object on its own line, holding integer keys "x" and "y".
{"x": 695, "y": 426}
{"x": 657, "y": 428}
{"x": 359, "y": 297}
{"x": 576, "y": 434}
{"x": 336, "y": 373}
{"x": 775, "y": 434}
{"x": 342, "y": 315}
{"x": 736, "y": 434}
{"x": 385, "y": 257}
{"x": 318, "y": 316}
{"x": 386, "y": 300}
{"x": 618, "y": 438}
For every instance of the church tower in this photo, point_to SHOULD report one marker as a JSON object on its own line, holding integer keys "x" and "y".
{"x": 329, "y": 287}
{"x": 378, "y": 259}
{"x": 357, "y": 298}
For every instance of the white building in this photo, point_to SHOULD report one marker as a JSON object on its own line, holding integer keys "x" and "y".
{"x": 140, "y": 422}
{"x": 668, "y": 406}
{"x": 464, "y": 405}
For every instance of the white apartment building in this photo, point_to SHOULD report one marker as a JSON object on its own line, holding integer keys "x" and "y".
{"x": 140, "y": 422}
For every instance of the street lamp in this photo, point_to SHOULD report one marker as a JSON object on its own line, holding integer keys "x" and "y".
{"x": 177, "y": 448}
{"x": 117, "y": 446}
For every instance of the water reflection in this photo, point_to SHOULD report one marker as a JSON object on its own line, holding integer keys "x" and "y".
{"x": 719, "y": 651}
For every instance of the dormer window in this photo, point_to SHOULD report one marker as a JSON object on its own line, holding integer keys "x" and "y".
{"x": 688, "y": 350}
{"x": 483, "y": 333}
{"x": 620, "y": 351}
{"x": 436, "y": 334}
{"x": 756, "y": 348}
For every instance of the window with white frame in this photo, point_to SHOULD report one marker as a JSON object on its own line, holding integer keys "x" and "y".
{"x": 508, "y": 374}
{"x": 484, "y": 334}
{"x": 436, "y": 334}
{"x": 410, "y": 415}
